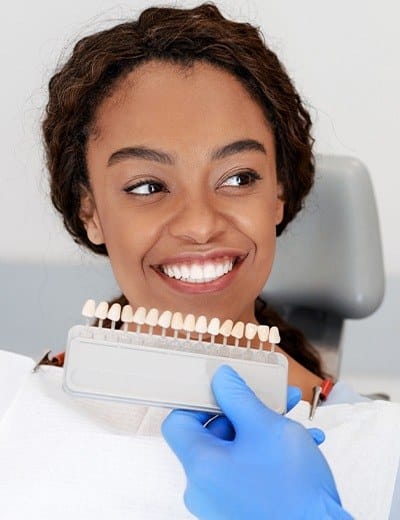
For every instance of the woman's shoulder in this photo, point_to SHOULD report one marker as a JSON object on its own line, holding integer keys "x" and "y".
{"x": 343, "y": 393}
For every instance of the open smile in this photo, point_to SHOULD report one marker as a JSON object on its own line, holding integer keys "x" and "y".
{"x": 201, "y": 275}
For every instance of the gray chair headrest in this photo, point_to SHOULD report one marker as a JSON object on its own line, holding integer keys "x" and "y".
{"x": 330, "y": 257}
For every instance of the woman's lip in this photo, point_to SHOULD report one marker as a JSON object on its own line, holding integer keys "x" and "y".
{"x": 207, "y": 287}
{"x": 202, "y": 258}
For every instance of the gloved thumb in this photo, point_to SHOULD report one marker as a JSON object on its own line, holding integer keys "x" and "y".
{"x": 238, "y": 401}
{"x": 293, "y": 397}
{"x": 184, "y": 432}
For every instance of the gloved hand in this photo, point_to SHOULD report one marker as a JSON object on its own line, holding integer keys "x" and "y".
{"x": 221, "y": 426}
{"x": 272, "y": 468}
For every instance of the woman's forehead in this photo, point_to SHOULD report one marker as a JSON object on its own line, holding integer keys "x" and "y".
{"x": 160, "y": 99}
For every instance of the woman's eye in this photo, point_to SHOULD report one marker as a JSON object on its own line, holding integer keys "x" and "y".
{"x": 241, "y": 179}
{"x": 145, "y": 188}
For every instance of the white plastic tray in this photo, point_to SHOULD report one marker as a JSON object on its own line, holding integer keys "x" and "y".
{"x": 176, "y": 373}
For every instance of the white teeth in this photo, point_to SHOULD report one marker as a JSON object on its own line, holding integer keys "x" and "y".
{"x": 177, "y": 272}
{"x": 198, "y": 273}
{"x": 185, "y": 270}
{"x": 209, "y": 271}
{"x": 219, "y": 270}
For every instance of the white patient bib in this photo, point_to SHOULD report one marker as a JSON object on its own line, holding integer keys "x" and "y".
{"x": 362, "y": 447}
{"x": 63, "y": 458}
{"x": 91, "y": 460}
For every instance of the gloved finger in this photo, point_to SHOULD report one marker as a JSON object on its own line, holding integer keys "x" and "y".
{"x": 202, "y": 417}
{"x": 293, "y": 397}
{"x": 184, "y": 432}
{"x": 221, "y": 427}
{"x": 317, "y": 434}
{"x": 239, "y": 402}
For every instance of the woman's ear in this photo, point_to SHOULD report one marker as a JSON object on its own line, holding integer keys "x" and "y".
{"x": 280, "y": 204}
{"x": 90, "y": 218}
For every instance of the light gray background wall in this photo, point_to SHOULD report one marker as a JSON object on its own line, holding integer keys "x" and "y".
{"x": 344, "y": 57}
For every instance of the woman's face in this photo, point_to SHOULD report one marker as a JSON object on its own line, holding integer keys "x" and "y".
{"x": 184, "y": 191}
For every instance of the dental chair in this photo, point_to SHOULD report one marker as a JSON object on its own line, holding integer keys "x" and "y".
{"x": 329, "y": 265}
{"x": 328, "y": 269}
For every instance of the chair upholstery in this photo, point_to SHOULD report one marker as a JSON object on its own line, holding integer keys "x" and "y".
{"x": 329, "y": 264}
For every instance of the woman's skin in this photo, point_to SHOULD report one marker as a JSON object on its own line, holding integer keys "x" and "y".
{"x": 198, "y": 202}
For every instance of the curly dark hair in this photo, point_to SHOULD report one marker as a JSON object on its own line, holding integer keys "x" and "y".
{"x": 182, "y": 37}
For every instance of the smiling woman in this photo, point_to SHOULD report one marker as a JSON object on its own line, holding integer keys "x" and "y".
{"x": 202, "y": 194}
{"x": 178, "y": 146}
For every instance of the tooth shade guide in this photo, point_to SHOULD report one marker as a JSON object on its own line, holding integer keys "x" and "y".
{"x": 151, "y": 319}
{"x": 225, "y": 330}
{"x": 177, "y": 323}
{"x": 101, "y": 312}
{"x": 250, "y": 332}
{"x": 213, "y": 328}
{"x": 189, "y": 324}
{"x": 274, "y": 337}
{"x": 126, "y": 317}
{"x": 176, "y": 326}
{"x": 139, "y": 316}
{"x": 263, "y": 333}
{"x": 88, "y": 309}
{"x": 237, "y": 332}
{"x": 164, "y": 321}
{"x": 201, "y": 327}
{"x": 98, "y": 367}
{"x": 114, "y": 314}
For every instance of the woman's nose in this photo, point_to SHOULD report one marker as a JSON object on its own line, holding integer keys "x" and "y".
{"x": 198, "y": 220}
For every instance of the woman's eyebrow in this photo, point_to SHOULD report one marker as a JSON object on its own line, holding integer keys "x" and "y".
{"x": 243, "y": 145}
{"x": 150, "y": 154}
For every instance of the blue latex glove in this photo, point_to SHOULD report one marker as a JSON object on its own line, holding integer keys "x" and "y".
{"x": 272, "y": 469}
{"x": 221, "y": 426}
